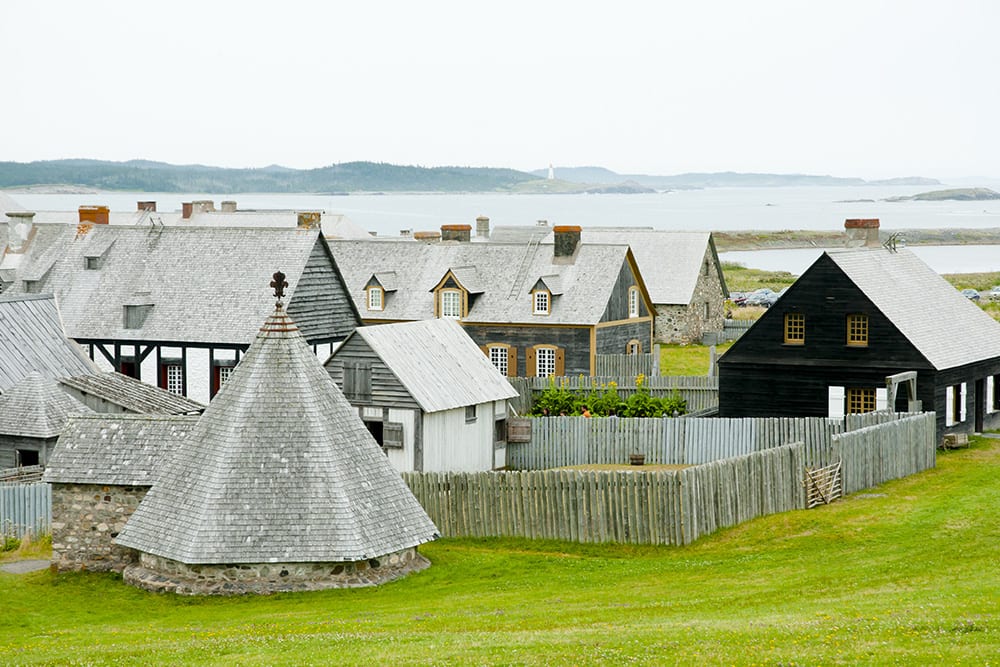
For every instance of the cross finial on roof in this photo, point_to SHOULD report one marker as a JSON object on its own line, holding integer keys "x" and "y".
{"x": 279, "y": 284}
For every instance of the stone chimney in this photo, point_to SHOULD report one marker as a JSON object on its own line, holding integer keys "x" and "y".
{"x": 459, "y": 233}
{"x": 427, "y": 237}
{"x": 19, "y": 225}
{"x": 146, "y": 206}
{"x": 482, "y": 227}
{"x": 98, "y": 215}
{"x": 229, "y": 207}
{"x": 567, "y": 238}
{"x": 309, "y": 219}
{"x": 862, "y": 233}
{"x": 406, "y": 232}
{"x": 186, "y": 209}
{"x": 203, "y": 206}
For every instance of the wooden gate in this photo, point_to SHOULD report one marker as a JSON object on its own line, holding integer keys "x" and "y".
{"x": 822, "y": 485}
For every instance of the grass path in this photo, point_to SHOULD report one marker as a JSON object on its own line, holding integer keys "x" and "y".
{"x": 908, "y": 573}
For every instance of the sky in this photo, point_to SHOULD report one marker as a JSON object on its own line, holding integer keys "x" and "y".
{"x": 849, "y": 88}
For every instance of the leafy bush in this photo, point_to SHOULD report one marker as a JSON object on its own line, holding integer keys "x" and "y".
{"x": 604, "y": 401}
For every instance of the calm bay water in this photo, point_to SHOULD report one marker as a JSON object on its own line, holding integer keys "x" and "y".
{"x": 716, "y": 209}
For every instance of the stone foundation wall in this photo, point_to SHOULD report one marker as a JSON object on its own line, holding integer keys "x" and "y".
{"x": 85, "y": 519}
{"x": 159, "y": 574}
{"x": 687, "y": 324}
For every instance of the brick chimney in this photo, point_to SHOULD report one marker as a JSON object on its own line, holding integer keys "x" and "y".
{"x": 98, "y": 215}
{"x": 427, "y": 237}
{"x": 309, "y": 219}
{"x": 459, "y": 233}
{"x": 146, "y": 206}
{"x": 19, "y": 225}
{"x": 482, "y": 227}
{"x": 229, "y": 206}
{"x": 187, "y": 208}
{"x": 567, "y": 238}
{"x": 862, "y": 232}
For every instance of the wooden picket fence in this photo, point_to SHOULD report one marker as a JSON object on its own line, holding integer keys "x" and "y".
{"x": 558, "y": 442}
{"x": 629, "y": 365}
{"x": 25, "y": 508}
{"x": 637, "y": 507}
{"x": 876, "y": 454}
{"x": 699, "y": 391}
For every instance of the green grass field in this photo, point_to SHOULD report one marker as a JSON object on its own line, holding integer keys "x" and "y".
{"x": 907, "y": 573}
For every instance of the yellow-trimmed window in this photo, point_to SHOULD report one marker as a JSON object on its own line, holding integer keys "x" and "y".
{"x": 795, "y": 329}
{"x": 634, "y": 346}
{"x": 376, "y": 298}
{"x": 857, "y": 330}
{"x": 860, "y": 400}
{"x": 633, "y": 301}
{"x": 450, "y": 303}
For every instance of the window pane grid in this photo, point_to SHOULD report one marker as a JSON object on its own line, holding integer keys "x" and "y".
{"x": 498, "y": 355}
{"x": 374, "y": 298}
{"x": 451, "y": 304}
{"x": 857, "y": 330}
{"x": 545, "y": 362}
{"x": 225, "y": 372}
{"x": 175, "y": 379}
{"x": 795, "y": 328}
{"x": 633, "y": 302}
{"x": 860, "y": 400}
{"x": 541, "y": 303}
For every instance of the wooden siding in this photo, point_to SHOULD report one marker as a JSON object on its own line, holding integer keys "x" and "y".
{"x": 25, "y": 508}
{"x": 617, "y": 306}
{"x": 10, "y": 443}
{"x": 575, "y": 341}
{"x": 321, "y": 305}
{"x": 613, "y": 339}
{"x": 386, "y": 391}
{"x": 452, "y": 444}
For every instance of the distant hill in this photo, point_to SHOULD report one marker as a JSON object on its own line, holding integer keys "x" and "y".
{"x": 955, "y": 194}
{"x": 717, "y": 179}
{"x": 147, "y": 176}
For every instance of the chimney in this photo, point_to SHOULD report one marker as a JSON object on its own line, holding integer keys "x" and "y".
{"x": 542, "y": 223}
{"x": 99, "y": 215}
{"x": 482, "y": 227}
{"x": 406, "y": 232}
{"x": 186, "y": 209}
{"x": 18, "y": 228}
{"x": 862, "y": 233}
{"x": 203, "y": 206}
{"x": 460, "y": 233}
{"x": 427, "y": 237}
{"x": 309, "y": 219}
{"x": 146, "y": 206}
{"x": 567, "y": 238}
{"x": 229, "y": 207}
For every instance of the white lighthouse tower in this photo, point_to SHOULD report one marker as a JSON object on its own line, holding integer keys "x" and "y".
{"x": 552, "y": 173}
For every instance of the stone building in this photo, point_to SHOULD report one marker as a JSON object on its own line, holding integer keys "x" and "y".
{"x": 278, "y": 487}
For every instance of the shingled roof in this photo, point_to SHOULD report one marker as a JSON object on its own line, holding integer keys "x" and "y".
{"x": 132, "y": 395}
{"x": 504, "y": 273}
{"x": 120, "y": 449}
{"x": 279, "y": 468}
{"x": 437, "y": 362}
{"x": 33, "y": 340}
{"x": 36, "y": 408}
{"x": 199, "y": 283}
{"x": 942, "y": 325}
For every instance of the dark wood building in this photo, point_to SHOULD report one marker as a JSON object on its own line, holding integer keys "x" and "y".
{"x": 853, "y": 318}
{"x": 534, "y": 309}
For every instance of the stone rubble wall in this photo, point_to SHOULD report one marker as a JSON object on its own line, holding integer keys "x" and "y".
{"x": 687, "y": 323}
{"x": 159, "y": 574}
{"x": 85, "y": 520}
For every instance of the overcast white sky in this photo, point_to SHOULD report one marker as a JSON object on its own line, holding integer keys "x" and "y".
{"x": 868, "y": 88}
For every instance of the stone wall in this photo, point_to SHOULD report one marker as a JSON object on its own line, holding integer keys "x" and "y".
{"x": 687, "y": 323}
{"x": 85, "y": 519}
{"x": 158, "y": 574}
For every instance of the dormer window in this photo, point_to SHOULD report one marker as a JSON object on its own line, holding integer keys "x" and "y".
{"x": 91, "y": 263}
{"x": 633, "y": 301}
{"x": 450, "y": 303}
{"x": 376, "y": 298}
{"x": 543, "y": 302}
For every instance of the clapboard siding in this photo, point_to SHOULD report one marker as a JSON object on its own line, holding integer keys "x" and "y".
{"x": 387, "y": 390}
{"x": 575, "y": 342}
{"x": 25, "y": 508}
{"x": 321, "y": 305}
{"x": 9, "y": 444}
{"x": 617, "y": 307}
{"x": 615, "y": 339}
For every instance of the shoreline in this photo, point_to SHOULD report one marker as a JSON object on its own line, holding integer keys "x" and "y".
{"x": 726, "y": 241}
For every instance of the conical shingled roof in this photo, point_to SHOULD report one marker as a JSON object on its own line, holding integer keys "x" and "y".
{"x": 37, "y": 408}
{"x": 279, "y": 468}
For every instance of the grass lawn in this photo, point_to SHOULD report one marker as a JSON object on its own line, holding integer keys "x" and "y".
{"x": 687, "y": 359}
{"x": 908, "y": 573}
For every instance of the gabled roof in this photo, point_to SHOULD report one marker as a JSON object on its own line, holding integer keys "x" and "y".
{"x": 132, "y": 395}
{"x": 670, "y": 262}
{"x": 36, "y": 408}
{"x": 125, "y": 450}
{"x": 33, "y": 340}
{"x": 941, "y": 324}
{"x": 200, "y": 282}
{"x": 437, "y": 362}
{"x": 279, "y": 468}
{"x": 506, "y": 273}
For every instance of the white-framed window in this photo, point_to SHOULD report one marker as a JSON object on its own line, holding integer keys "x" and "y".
{"x": 542, "y": 302}
{"x": 451, "y": 304}
{"x": 545, "y": 362}
{"x": 954, "y": 412}
{"x": 376, "y": 298}
{"x": 992, "y": 399}
{"x": 175, "y": 379}
{"x": 499, "y": 356}
{"x": 634, "y": 346}
{"x": 225, "y": 372}
{"x": 633, "y": 302}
